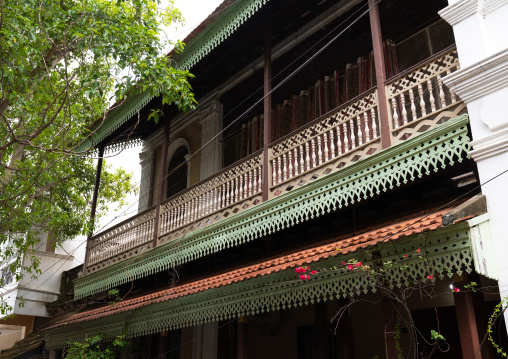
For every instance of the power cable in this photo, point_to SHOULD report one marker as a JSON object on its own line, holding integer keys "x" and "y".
{"x": 298, "y": 69}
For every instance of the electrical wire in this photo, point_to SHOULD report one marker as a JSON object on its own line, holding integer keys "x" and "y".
{"x": 294, "y": 72}
{"x": 299, "y": 68}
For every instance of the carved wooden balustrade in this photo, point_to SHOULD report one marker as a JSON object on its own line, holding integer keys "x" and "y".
{"x": 419, "y": 100}
{"x": 330, "y": 142}
{"x": 123, "y": 241}
{"x": 232, "y": 190}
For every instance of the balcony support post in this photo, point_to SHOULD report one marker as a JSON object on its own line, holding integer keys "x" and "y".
{"x": 468, "y": 330}
{"x": 379, "y": 61}
{"x": 241, "y": 351}
{"x": 388, "y": 310}
{"x": 94, "y": 201}
{"x": 267, "y": 110}
{"x": 161, "y": 180}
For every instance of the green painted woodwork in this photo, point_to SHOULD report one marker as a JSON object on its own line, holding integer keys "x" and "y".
{"x": 483, "y": 249}
{"x": 392, "y": 167}
{"x": 219, "y": 30}
{"x": 443, "y": 252}
{"x": 117, "y": 118}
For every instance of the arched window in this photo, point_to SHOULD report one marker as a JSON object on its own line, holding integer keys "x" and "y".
{"x": 177, "y": 169}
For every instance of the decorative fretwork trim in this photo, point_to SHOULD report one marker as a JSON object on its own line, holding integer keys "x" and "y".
{"x": 217, "y": 32}
{"x": 443, "y": 252}
{"x": 390, "y": 168}
{"x": 211, "y": 37}
{"x": 117, "y": 118}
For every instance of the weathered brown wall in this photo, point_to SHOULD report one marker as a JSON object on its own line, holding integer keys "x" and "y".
{"x": 192, "y": 134}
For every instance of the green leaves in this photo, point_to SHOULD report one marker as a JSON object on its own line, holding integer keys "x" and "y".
{"x": 60, "y": 64}
{"x": 435, "y": 336}
{"x": 95, "y": 347}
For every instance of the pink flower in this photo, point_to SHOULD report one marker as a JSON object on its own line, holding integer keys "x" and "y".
{"x": 343, "y": 263}
{"x": 407, "y": 255}
{"x": 350, "y": 267}
{"x": 314, "y": 272}
{"x": 456, "y": 290}
{"x": 430, "y": 277}
{"x": 359, "y": 264}
{"x": 304, "y": 277}
{"x": 418, "y": 251}
{"x": 301, "y": 270}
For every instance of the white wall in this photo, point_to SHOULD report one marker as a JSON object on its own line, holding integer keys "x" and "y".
{"x": 480, "y": 28}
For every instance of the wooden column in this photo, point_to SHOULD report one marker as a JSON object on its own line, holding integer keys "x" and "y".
{"x": 94, "y": 201}
{"x": 161, "y": 180}
{"x": 163, "y": 345}
{"x": 241, "y": 352}
{"x": 345, "y": 341}
{"x": 389, "y": 324}
{"x": 267, "y": 111}
{"x": 482, "y": 315}
{"x": 379, "y": 61}
{"x": 321, "y": 334}
{"x": 468, "y": 330}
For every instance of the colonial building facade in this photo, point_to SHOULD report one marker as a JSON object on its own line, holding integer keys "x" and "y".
{"x": 341, "y": 182}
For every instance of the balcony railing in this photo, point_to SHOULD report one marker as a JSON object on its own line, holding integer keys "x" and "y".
{"x": 329, "y": 143}
{"x": 125, "y": 240}
{"x": 417, "y": 99}
{"x": 230, "y": 191}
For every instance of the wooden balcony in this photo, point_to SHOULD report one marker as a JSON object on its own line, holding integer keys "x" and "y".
{"x": 417, "y": 99}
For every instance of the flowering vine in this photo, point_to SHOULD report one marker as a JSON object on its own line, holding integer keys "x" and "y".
{"x": 305, "y": 272}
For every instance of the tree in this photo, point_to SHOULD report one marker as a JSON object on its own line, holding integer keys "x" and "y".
{"x": 95, "y": 347}
{"x": 60, "y": 64}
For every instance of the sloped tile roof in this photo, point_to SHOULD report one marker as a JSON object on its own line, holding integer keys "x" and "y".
{"x": 417, "y": 224}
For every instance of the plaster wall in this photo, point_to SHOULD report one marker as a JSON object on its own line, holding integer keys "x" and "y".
{"x": 278, "y": 333}
{"x": 187, "y": 339}
{"x": 480, "y": 29}
{"x": 9, "y": 335}
{"x": 367, "y": 322}
{"x": 192, "y": 135}
{"x": 26, "y": 321}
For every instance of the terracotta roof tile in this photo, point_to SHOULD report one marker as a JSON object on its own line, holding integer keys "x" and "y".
{"x": 346, "y": 245}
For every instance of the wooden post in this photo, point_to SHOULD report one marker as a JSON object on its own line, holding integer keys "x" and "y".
{"x": 267, "y": 111}
{"x": 379, "y": 61}
{"x": 94, "y": 201}
{"x": 345, "y": 341}
{"x": 468, "y": 330}
{"x": 389, "y": 324}
{"x": 163, "y": 345}
{"x": 242, "y": 338}
{"x": 482, "y": 315}
{"x": 161, "y": 182}
{"x": 321, "y": 334}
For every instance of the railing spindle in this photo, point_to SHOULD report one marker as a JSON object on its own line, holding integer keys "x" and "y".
{"x": 431, "y": 95}
{"x": 413, "y": 106}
